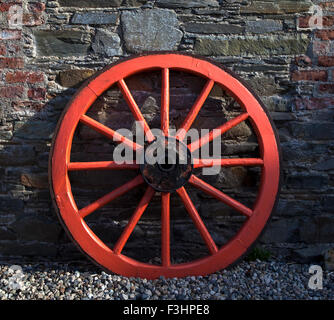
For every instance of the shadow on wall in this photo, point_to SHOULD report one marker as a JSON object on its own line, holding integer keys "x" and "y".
{"x": 29, "y": 224}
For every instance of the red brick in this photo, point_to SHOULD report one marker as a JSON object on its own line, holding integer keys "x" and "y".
{"x": 2, "y": 49}
{"x": 11, "y": 63}
{"x": 325, "y": 34}
{"x": 4, "y": 7}
{"x": 36, "y": 7}
{"x": 32, "y": 19}
{"x": 11, "y": 92}
{"x": 24, "y": 76}
{"x": 311, "y": 75}
{"x": 313, "y": 103}
{"x": 10, "y": 34}
{"x": 327, "y": 88}
{"x": 327, "y": 21}
{"x": 37, "y": 93}
{"x": 324, "y": 61}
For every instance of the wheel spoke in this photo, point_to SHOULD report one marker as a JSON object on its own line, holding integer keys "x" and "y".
{"x": 84, "y": 212}
{"x": 135, "y": 109}
{"x": 197, "y": 220}
{"x": 217, "y": 132}
{"x": 200, "y": 184}
{"x": 99, "y": 127}
{"x": 101, "y": 165}
{"x": 165, "y": 101}
{"x": 186, "y": 125}
{"x": 165, "y": 229}
{"x": 144, "y": 202}
{"x": 205, "y": 163}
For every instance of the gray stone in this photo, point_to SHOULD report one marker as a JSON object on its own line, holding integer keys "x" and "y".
{"x": 90, "y": 3}
{"x": 282, "y": 230}
{"x": 61, "y": 43}
{"x": 17, "y": 155}
{"x": 263, "y": 26}
{"x": 317, "y": 229}
{"x": 36, "y": 228}
{"x": 260, "y": 47}
{"x": 187, "y": 4}
{"x": 328, "y": 203}
{"x": 6, "y": 234}
{"x": 329, "y": 260}
{"x": 107, "y": 43}
{"x": 150, "y": 30}
{"x": 307, "y": 181}
{"x": 8, "y": 205}
{"x": 325, "y": 165}
{"x": 276, "y": 7}
{"x": 310, "y": 254}
{"x": 36, "y": 130}
{"x": 313, "y": 131}
{"x": 94, "y": 18}
{"x": 213, "y": 28}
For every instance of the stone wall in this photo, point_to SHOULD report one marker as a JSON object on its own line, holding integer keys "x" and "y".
{"x": 268, "y": 43}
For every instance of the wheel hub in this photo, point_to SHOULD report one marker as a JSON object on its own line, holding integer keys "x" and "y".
{"x": 166, "y": 164}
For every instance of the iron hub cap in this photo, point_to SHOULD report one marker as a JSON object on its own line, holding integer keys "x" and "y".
{"x": 166, "y": 164}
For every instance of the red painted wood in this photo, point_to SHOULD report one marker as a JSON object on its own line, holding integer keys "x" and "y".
{"x": 165, "y": 101}
{"x": 101, "y": 165}
{"x": 165, "y": 229}
{"x": 206, "y": 163}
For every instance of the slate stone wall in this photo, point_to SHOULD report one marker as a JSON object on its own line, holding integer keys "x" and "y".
{"x": 268, "y": 43}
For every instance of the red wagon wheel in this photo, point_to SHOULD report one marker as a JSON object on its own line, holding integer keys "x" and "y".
{"x": 73, "y": 219}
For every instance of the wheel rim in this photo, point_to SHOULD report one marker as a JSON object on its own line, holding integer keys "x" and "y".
{"x": 113, "y": 259}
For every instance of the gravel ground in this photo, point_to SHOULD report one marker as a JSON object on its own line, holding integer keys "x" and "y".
{"x": 247, "y": 280}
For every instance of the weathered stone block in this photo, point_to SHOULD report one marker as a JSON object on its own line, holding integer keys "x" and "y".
{"x": 317, "y": 230}
{"x": 187, "y": 4}
{"x": 263, "y": 26}
{"x": 306, "y": 182}
{"x": 8, "y": 205}
{"x": 107, "y": 43}
{"x": 36, "y": 228}
{"x": 150, "y": 30}
{"x": 94, "y": 18}
{"x": 213, "y": 28}
{"x": 277, "y": 7}
{"x": 90, "y": 3}
{"x": 261, "y": 46}
{"x": 38, "y": 130}
{"x": 61, "y": 43}
{"x": 73, "y": 78}
{"x": 314, "y": 131}
{"x": 17, "y": 155}
{"x": 282, "y": 230}
{"x": 35, "y": 180}
{"x": 325, "y": 165}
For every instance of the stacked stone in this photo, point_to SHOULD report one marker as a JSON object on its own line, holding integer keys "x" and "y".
{"x": 269, "y": 43}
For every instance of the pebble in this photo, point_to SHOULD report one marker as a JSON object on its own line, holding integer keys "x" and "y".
{"x": 245, "y": 281}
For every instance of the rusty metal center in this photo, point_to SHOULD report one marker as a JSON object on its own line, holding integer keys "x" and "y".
{"x": 166, "y": 164}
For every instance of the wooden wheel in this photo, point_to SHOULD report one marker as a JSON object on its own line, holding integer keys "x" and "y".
{"x": 73, "y": 218}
